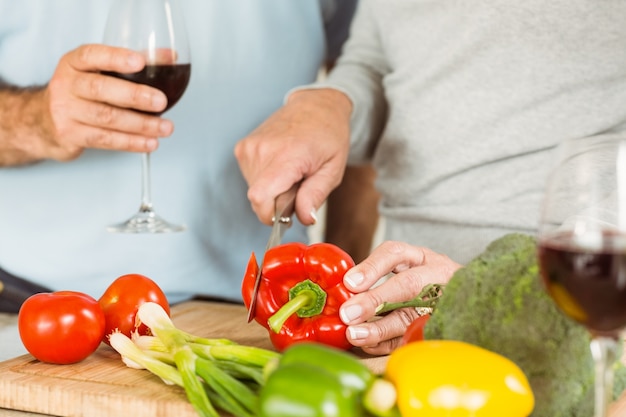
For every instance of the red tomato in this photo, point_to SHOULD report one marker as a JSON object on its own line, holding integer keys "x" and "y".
{"x": 122, "y": 299}
{"x": 61, "y": 327}
{"x": 415, "y": 331}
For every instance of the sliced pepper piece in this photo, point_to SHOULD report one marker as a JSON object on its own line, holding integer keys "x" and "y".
{"x": 300, "y": 293}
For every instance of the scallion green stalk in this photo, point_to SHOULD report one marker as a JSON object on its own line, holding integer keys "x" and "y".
{"x": 248, "y": 355}
{"x": 211, "y": 371}
{"x": 175, "y": 340}
{"x": 186, "y": 362}
{"x": 242, "y": 401}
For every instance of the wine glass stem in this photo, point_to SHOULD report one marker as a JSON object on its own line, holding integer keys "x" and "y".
{"x": 604, "y": 351}
{"x": 146, "y": 198}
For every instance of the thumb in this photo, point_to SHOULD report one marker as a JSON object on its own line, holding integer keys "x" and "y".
{"x": 311, "y": 196}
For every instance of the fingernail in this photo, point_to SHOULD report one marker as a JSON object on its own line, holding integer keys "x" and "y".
{"x": 353, "y": 280}
{"x": 158, "y": 102}
{"x": 349, "y": 313}
{"x": 152, "y": 144}
{"x": 165, "y": 128}
{"x": 133, "y": 60}
{"x": 313, "y": 214}
{"x": 358, "y": 332}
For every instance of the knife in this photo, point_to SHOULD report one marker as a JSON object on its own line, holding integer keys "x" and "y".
{"x": 14, "y": 291}
{"x": 283, "y": 210}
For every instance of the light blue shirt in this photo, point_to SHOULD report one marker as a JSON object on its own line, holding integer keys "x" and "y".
{"x": 246, "y": 55}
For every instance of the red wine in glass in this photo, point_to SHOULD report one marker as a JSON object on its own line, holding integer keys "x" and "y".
{"x": 588, "y": 284}
{"x": 155, "y": 29}
{"x": 172, "y": 79}
{"x": 582, "y": 246}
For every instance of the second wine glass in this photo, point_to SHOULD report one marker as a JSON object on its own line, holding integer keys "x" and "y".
{"x": 582, "y": 247}
{"x": 156, "y": 29}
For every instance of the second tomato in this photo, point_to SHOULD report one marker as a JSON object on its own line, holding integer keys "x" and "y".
{"x": 122, "y": 299}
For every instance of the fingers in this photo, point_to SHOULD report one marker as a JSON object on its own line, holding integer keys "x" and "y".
{"x": 104, "y": 116}
{"x": 99, "y": 57}
{"x": 89, "y": 124}
{"x": 381, "y": 336}
{"x": 315, "y": 190}
{"x": 92, "y": 137}
{"x": 120, "y": 93}
{"x": 278, "y": 178}
{"x": 311, "y": 194}
{"x": 377, "y": 334}
{"x": 80, "y": 71}
{"x": 419, "y": 264}
{"x": 89, "y": 109}
{"x": 96, "y": 57}
{"x": 396, "y": 288}
{"x": 388, "y": 257}
{"x": 401, "y": 271}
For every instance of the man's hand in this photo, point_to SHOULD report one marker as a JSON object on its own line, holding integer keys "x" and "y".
{"x": 307, "y": 139}
{"x": 82, "y": 108}
{"x": 411, "y": 268}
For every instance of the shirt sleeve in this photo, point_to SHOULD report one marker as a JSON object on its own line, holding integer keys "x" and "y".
{"x": 359, "y": 74}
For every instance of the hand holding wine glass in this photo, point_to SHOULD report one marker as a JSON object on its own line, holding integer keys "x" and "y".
{"x": 582, "y": 246}
{"x": 154, "y": 28}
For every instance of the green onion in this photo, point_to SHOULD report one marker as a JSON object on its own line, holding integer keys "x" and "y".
{"x": 129, "y": 351}
{"x": 242, "y": 401}
{"x": 186, "y": 362}
{"x": 249, "y": 355}
{"x": 243, "y": 372}
{"x": 215, "y": 373}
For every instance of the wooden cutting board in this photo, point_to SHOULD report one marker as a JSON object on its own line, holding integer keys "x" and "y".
{"x": 102, "y": 386}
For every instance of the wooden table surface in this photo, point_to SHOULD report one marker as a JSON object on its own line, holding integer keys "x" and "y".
{"x": 102, "y": 386}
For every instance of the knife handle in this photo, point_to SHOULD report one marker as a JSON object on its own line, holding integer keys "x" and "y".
{"x": 285, "y": 203}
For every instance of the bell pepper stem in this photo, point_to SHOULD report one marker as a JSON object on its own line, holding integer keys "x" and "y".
{"x": 428, "y": 298}
{"x": 306, "y": 299}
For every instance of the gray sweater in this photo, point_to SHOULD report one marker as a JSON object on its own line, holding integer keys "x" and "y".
{"x": 460, "y": 103}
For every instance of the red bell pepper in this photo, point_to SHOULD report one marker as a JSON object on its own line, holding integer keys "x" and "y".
{"x": 300, "y": 293}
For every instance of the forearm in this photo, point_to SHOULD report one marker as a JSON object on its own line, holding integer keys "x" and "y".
{"x": 314, "y": 100}
{"x": 24, "y": 125}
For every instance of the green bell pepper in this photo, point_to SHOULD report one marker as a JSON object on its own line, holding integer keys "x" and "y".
{"x": 303, "y": 390}
{"x": 351, "y": 372}
{"x": 311, "y": 379}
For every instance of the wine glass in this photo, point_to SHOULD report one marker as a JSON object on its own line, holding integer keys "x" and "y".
{"x": 156, "y": 29}
{"x": 582, "y": 246}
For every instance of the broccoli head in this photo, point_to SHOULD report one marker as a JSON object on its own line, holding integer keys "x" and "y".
{"x": 497, "y": 301}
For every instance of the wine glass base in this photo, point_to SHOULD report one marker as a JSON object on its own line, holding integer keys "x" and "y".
{"x": 145, "y": 222}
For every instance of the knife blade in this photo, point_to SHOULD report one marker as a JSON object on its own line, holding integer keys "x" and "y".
{"x": 283, "y": 210}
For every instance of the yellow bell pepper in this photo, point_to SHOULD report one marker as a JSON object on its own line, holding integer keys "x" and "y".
{"x": 446, "y": 378}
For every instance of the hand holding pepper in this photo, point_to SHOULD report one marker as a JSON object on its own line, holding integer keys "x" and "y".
{"x": 300, "y": 293}
{"x": 411, "y": 268}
